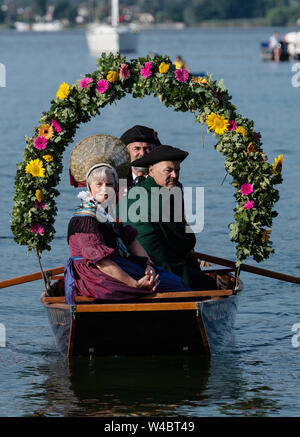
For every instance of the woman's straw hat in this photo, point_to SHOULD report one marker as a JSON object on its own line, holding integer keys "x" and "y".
{"x": 96, "y": 149}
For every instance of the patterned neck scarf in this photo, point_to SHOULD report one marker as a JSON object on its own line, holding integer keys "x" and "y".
{"x": 90, "y": 207}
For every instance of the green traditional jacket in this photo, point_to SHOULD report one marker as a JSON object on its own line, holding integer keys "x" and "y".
{"x": 166, "y": 242}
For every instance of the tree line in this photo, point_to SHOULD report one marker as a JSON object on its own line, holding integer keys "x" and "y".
{"x": 192, "y": 12}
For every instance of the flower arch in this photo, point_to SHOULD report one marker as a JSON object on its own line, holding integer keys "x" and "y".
{"x": 252, "y": 176}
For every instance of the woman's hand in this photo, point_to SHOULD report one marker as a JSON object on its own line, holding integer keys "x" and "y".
{"x": 150, "y": 271}
{"x": 148, "y": 282}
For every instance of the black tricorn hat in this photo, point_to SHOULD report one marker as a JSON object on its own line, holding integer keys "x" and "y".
{"x": 160, "y": 153}
{"x": 140, "y": 134}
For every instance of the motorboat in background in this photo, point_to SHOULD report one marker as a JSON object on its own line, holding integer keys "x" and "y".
{"x": 40, "y": 26}
{"x": 290, "y": 48}
{"x": 293, "y": 42}
{"x": 50, "y": 26}
{"x": 114, "y": 37}
{"x": 21, "y": 26}
{"x": 266, "y": 54}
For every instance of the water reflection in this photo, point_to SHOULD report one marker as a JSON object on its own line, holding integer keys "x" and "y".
{"x": 151, "y": 386}
{"x": 122, "y": 386}
{"x": 139, "y": 386}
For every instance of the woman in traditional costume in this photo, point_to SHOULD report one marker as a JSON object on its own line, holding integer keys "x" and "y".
{"x": 106, "y": 260}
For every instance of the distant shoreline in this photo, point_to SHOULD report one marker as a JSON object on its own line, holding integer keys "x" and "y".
{"x": 246, "y": 23}
{"x": 255, "y": 22}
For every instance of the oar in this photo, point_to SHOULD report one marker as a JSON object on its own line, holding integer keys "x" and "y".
{"x": 30, "y": 277}
{"x": 247, "y": 268}
{"x": 202, "y": 256}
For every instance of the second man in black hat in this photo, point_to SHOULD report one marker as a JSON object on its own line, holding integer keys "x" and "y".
{"x": 140, "y": 140}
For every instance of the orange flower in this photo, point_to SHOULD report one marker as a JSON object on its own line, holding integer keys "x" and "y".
{"x": 199, "y": 79}
{"x": 46, "y": 131}
{"x": 265, "y": 235}
{"x": 251, "y": 148}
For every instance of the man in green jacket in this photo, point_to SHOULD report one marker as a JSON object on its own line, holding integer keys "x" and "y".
{"x": 154, "y": 207}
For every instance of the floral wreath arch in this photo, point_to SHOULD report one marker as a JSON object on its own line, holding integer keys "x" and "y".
{"x": 252, "y": 176}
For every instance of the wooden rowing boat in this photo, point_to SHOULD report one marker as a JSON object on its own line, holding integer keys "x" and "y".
{"x": 200, "y": 322}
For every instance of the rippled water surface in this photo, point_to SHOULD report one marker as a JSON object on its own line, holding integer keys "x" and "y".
{"x": 259, "y": 374}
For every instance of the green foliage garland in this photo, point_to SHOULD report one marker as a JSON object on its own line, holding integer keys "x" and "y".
{"x": 34, "y": 211}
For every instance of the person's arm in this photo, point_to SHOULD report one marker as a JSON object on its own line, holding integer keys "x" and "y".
{"x": 110, "y": 268}
{"x": 95, "y": 252}
{"x": 137, "y": 249}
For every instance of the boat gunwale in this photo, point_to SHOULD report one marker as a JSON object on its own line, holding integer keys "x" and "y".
{"x": 175, "y": 305}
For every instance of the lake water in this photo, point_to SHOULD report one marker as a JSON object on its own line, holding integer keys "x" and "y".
{"x": 259, "y": 374}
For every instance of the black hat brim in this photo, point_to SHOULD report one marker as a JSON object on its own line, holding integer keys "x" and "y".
{"x": 160, "y": 153}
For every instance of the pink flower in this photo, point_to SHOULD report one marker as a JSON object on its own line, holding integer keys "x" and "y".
{"x": 85, "y": 83}
{"x": 124, "y": 72}
{"x": 39, "y": 205}
{"x": 40, "y": 143}
{"x": 146, "y": 70}
{"x": 249, "y": 204}
{"x": 232, "y": 125}
{"x": 246, "y": 189}
{"x": 36, "y": 228}
{"x": 102, "y": 86}
{"x": 56, "y": 126}
{"x": 181, "y": 75}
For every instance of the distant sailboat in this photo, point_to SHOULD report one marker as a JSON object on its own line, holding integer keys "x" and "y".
{"x": 111, "y": 38}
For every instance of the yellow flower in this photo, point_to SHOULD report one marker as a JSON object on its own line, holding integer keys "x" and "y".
{"x": 277, "y": 166}
{"x": 163, "y": 67}
{"x": 46, "y": 131}
{"x": 63, "y": 91}
{"x": 251, "y": 148}
{"x": 217, "y": 123}
{"x": 242, "y": 131}
{"x": 35, "y": 168}
{"x": 178, "y": 65}
{"x": 265, "y": 235}
{"x": 39, "y": 195}
{"x": 112, "y": 76}
{"x": 48, "y": 158}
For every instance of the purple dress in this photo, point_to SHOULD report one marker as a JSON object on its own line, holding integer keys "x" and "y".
{"x": 93, "y": 242}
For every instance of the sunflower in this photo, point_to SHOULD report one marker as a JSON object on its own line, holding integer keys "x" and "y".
{"x": 217, "y": 123}
{"x": 39, "y": 195}
{"x": 63, "y": 91}
{"x": 35, "y": 168}
{"x": 46, "y": 131}
{"x": 242, "y": 131}
{"x": 277, "y": 166}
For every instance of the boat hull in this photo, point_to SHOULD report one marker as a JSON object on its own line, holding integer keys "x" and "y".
{"x": 218, "y": 318}
{"x": 149, "y": 328}
{"x": 126, "y": 333}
